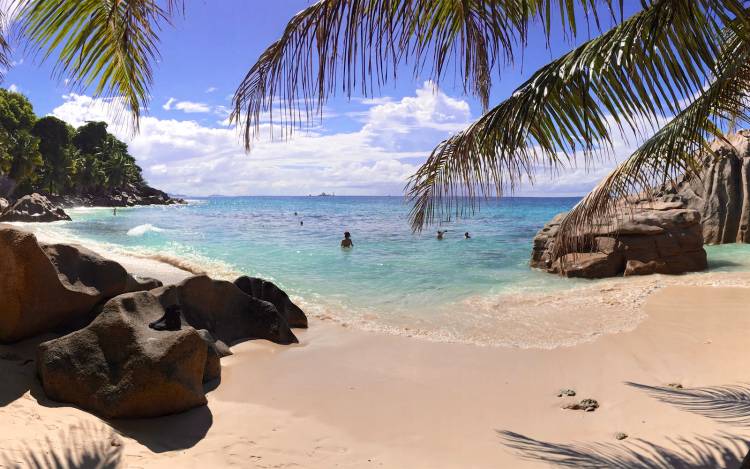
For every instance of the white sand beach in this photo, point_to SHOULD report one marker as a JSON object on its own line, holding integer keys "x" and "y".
{"x": 350, "y": 398}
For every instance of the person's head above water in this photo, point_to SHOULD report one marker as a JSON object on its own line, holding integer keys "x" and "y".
{"x": 347, "y": 235}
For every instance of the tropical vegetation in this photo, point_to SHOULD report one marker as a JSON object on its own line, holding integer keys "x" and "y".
{"x": 48, "y": 155}
{"x": 671, "y": 76}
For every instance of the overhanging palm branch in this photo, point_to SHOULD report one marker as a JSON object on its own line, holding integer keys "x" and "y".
{"x": 624, "y": 81}
{"x": 679, "y": 148}
{"x": 359, "y": 45}
{"x": 108, "y": 44}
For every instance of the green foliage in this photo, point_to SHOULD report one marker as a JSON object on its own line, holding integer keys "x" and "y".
{"x": 49, "y": 155}
{"x": 55, "y": 137}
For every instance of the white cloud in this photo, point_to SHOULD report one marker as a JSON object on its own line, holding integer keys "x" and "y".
{"x": 186, "y": 106}
{"x": 13, "y": 88}
{"x": 211, "y": 89}
{"x": 184, "y": 156}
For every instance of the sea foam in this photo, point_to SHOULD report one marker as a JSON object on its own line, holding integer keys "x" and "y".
{"x": 141, "y": 230}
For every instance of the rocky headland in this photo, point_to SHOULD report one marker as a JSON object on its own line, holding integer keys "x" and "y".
{"x": 44, "y": 207}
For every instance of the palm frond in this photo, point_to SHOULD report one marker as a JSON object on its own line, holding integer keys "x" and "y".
{"x": 110, "y": 45}
{"x": 360, "y": 46}
{"x": 620, "y": 83}
{"x": 680, "y": 148}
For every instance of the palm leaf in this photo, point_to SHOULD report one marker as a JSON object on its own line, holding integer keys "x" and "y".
{"x": 110, "y": 45}
{"x": 360, "y": 45}
{"x": 622, "y": 82}
{"x": 680, "y": 148}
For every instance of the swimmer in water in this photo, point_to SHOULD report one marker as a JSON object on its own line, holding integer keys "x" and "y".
{"x": 347, "y": 241}
{"x": 467, "y": 236}
{"x": 441, "y": 234}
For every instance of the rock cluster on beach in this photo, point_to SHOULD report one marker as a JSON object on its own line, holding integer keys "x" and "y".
{"x": 664, "y": 234}
{"x": 43, "y": 286}
{"x": 114, "y": 363}
{"x": 658, "y": 238}
{"x": 50, "y": 207}
{"x": 31, "y": 208}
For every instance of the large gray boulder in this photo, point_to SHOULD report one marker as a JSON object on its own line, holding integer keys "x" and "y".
{"x": 721, "y": 194}
{"x": 268, "y": 291}
{"x": 118, "y": 367}
{"x": 657, "y": 238}
{"x": 44, "y": 286}
{"x": 229, "y": 314}
{"x": 33, "y": 208}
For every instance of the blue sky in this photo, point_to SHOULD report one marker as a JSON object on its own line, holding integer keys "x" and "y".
{"x": 362, "y": 147}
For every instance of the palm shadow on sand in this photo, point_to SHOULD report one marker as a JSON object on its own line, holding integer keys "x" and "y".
{"x": 82, "y": 446}
{"x": 727, "y": 404}
{"x": 723, "y": 451}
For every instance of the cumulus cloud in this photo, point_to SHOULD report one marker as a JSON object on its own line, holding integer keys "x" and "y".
{"x": 187, "y": 157}
{"x": 13, "y": 88}
{"x": 186, "y": 106}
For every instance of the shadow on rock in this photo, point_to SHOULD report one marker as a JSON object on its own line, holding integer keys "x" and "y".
{"x": 170, "y": 433}
{"x": 723, "y": 450}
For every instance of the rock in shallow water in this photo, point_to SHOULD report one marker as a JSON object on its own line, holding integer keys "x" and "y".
{"x": 657, "y": 238}
{"x": 118, "y": 367}
{"x": 44, "y": 286}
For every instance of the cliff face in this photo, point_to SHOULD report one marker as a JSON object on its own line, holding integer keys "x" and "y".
{"x": 722, "y": 194}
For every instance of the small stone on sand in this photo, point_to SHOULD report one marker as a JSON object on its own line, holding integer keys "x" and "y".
{"x": 621, "y": 435}
{"x": 588, "y": 405}
{"x": 675, "y": 385}
{"x": 566, "y": 393}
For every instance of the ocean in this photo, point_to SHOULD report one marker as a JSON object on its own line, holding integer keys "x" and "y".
{"x": 456, "y": 289}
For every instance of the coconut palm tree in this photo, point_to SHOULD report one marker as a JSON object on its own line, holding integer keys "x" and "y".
{"x": 682, "y": 61}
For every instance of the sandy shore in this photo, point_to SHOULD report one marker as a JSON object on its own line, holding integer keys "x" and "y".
{"x": 348, "y": 398}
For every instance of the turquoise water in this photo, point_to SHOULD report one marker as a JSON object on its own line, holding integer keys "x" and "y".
{"x": 392, "y": 277}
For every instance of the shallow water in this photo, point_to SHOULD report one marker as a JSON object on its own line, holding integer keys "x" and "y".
{"x": 391, "y": 280}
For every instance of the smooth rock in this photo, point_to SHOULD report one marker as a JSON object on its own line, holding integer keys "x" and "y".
{"x": 229, "y": 314}
{"x": 44, "y": 286}
{"x": 33, "y": 208}
{"x": 118, "y": 367}
{"x": 268, "y": 291}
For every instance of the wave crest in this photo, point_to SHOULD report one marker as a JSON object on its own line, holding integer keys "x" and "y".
{"x": 141, "y": 230}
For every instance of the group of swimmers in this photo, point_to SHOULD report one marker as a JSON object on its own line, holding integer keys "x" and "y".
{"x": 441, "y": 235}
{"x": 348, "y": 243}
